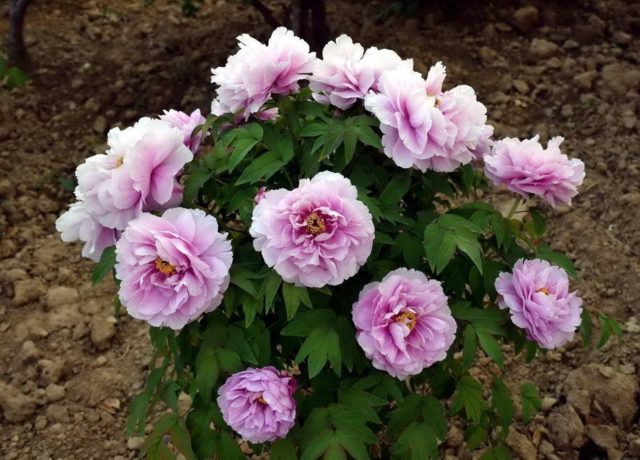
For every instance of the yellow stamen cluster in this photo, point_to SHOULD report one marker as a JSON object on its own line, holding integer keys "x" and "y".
{"x": 544, "y": 290}
{"x": 407, "y": 318}
{"x": 165, "y": 267}
{"x": 315, "y": 224}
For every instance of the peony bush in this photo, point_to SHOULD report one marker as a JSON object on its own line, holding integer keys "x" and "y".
{"x": 316, "y": 265}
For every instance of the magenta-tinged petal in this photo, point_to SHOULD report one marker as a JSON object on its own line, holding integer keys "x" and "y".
{"x": 258, "y": 403}
{"x": 526, "y": 168}
{"x": 537, "y": 296}
{"x": 316, "y": 234}
{"x": 403, "y": 323}
{"x": 173, "y": 268}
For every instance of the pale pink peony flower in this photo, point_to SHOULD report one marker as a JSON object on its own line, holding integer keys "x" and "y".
{"x": 471, "y": 135}
{"x": 346, "y": 72}
{"x": 538, "y": 298}
{"x": 173, "y": 268}
{"x": 138, "y": 173}
{"x": 526, "y": 168}
{"x": 187, "y": 124}
{"x": 316, "y": 234}
{"x": 257, "y": 70}
{"x": 383, "y": 60}
{"x": 77, "y": 224}
{"x": 403, "y": 323}
{"x": 258, "y": 403}
{"x": 414, "y": 130}
{"x": 339, "y": 78}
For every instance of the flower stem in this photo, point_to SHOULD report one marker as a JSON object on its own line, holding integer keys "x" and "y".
{"x": 514, "y": 207}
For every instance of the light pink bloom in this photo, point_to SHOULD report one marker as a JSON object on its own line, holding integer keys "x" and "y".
{"x": 538, "y": 298}
{"x": 346, "y": 73}
{"x": 262, "y": 192}
{"x": 258, "y": 403}
{"x": 526, "y": 168}
{"x": 257, "y": 70}
{"x": 187, "y": 124}
{"x": 138, "y": 173}
{"x": 316, "y": 234}
{"x": 78, "y": 224}
{"x": 414, "y": 130}
{"x": 403, "y": 323}
{"x": 471, "y": 135}
{"x": 381, "y": 60}
{"x": 173, "y": 268}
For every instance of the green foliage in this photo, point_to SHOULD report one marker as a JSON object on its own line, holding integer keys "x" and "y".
{"x": 430, "y": 222}
{"x": 12, "y": 77}
{"x": 104, "y": 266}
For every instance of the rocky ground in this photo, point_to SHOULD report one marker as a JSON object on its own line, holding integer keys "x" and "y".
{"x": 68, "y": 367}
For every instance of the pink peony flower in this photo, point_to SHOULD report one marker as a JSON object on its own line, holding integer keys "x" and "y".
{"x": 262, "y": 192}
{"x": 258, "y": 403}
{"x": 414, "y": 130}
{"x": 316, "y": 234}
{"x": 173, "y": 268}
{"x": 403, "y": 323}
{"x": 78, "y": 224}
{"x": 470, "y": 134}
{"x": 138, "y": 173}
{"x": 339, "y": 78}
{"x": 382, "y": 60}
{"x": 346, "y": 73}
{"x": 538, "y": 298}
{"x": 187, "y": 124}
{"x": 256, "y": 71}
{"x": 526, "y": 168}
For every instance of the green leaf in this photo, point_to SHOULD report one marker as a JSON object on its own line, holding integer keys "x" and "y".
{"x": 241, "y": 147}
{"x": 207, "y": 370}
{"x": 335, "y": 452}
{"x": 105, "y": 265}
{"x": 293, "y": 295}
{"x": 395, "y": 190}
{"x": 333, "y": 351}
{"x": 433, "y": 413}
{"x": 561, "y": 260}
{"x": 530, "y": 401}
{"x": 502, "y": 404}
{"x": 317, "y": 445}
{"x": 16, "y": 78}
{"x": 369, "y": 137}
{"x": 229, "y": 360}
{"x": 419, "y": 441}
{"x": 282, "y": 449}
{"x": 607, "y": 327}
{"x": 491, "y": 347}
{"x": 350, "y": 141}
{"x": 194, "y": 183}
{"x": 315, "y": 347}
{"x": 586, "y": 328}
{"x": 469, "y": 396}
{"x": 497, "y": 453}
{"x": 239, "y": 277}
{"x": 269, "y": 289}
{"x": 250, "y": 306}
{"x": 468, "y": 243}
{"x": 263, "y": 167}
{"x": 181, "y": 439}
{"x": 456, "y": 223}
{"x": 474, "y": 436}
{"x": 238, "y": 342}
{"x": 469, "y": 347}
{"x": 306, "y": 321}
{"x": 228, "y": 448}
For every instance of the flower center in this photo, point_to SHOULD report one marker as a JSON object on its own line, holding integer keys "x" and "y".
{"x": 261, "y": 400}
{"x": 436, "y": 102}
{"x": 315, "y": 224}
{"x": 407, "y": 318}
{"x": 165, "y": 267}
{"x": 119, "y": 161}
{"x": 544, "y": 290}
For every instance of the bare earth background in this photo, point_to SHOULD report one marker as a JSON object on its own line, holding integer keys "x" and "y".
{"x": 68, "y": 367}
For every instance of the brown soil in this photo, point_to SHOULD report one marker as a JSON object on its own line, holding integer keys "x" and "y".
{"x": 68, "y": 367}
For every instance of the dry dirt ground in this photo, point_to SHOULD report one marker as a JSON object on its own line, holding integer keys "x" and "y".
{"x": 68, "y": 367}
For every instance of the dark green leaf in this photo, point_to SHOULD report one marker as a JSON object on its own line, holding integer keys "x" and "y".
{"x": 469, "y": 396}
{"x": 105, "y": 265}
{"x": 470, "y": 346}
{"x": 586, "y": 328}
{"x": 530, "y": 401}
{"x": 502, "y": 404}
{"x": 491, "y": 347}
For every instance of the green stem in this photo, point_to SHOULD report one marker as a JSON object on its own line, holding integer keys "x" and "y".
{"x": 514, "y": 207}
